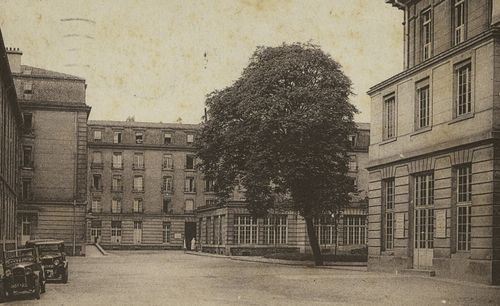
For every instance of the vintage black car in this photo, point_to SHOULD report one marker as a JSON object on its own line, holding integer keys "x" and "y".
{"x": 22, "y": 271}
{"x": 53, "y": 258}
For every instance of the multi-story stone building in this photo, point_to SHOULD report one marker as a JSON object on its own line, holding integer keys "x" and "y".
{"x": 144, "y": 188}
{"x": 54, "y": 154}
{"x": 10, "y": 133}
{"x": 230, "y": 229}
{"x": 435, "y": 145}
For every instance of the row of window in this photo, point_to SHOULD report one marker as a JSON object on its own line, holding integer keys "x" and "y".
{"x": 423, "y": 199}
{"x": 167, "y": 184}
{"x": 463, "y": 104}
{"x": 139, "y": 137}
{"x": 138, "y": 161}
{"x": 459, "y": 14}
{"x": 274, "y": 230}
{"x": 138, "y": 206}
{"x": 116, "y": 231}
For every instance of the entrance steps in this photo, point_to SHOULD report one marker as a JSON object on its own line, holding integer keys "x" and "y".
{"x": 94, "y": 250}
{"x": 417, "y": 272}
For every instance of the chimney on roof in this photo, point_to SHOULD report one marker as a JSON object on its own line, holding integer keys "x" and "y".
{"x": 14, "y": 56}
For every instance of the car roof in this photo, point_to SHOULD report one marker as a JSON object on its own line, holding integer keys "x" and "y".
{"x": 44, "y": 241}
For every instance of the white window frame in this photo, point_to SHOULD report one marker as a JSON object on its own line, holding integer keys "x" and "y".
{"x": 423, "y": 105}
{"x": 167, "y": 232}
{"x": 389, "y": 117}
{"x": 96, "y": 206}
{"x": 190, "y": 184}
{"x": 463, "y": 89}
{"x": 190, "y": 138}
{"x": 97, "y": 135}
{"x": 116, "y": 232}
{"x": 426, "y": 34}
{"x": 355, "y": 230}
{"x": 138, "y": 183}
{"x": 116, "y": 206}
{"x": 275, "y": 229}
{"x": 464, "y": 207}
{"x": 117, "y": 137}
{"x": 139, "y": 160}
{"x": 245, "y": 230}
{"x": 389, "y": 204}
{"x": 168, "y": 162}
{"x": 459, "y": 21}
{"x": 117, "y": 160}
{"x": 138, "y": 205}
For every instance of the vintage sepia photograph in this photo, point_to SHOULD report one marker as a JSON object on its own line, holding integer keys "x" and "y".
{"x": 250, "y": 152}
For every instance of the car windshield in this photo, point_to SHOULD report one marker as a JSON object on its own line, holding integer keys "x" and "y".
{"x": 49, "y": 249}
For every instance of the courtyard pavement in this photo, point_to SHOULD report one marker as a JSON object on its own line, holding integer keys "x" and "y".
{"x": 176, "y": 278}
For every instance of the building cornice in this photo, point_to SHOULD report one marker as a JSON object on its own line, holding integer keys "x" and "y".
{"x": 484, "y": 139}
{"x": 48, "y": 105}
{"x": 490, "y": 34}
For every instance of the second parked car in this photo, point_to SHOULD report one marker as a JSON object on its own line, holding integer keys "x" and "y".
{"x": 53, "y": 258}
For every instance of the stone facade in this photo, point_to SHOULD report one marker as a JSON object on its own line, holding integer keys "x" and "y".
{"x": 433, "y": 185}
{"x": 54, "y": 155}
{"x": 129, "y": 165}
{"x": 10, "y": 132}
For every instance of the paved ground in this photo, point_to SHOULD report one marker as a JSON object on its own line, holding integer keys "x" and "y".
{"x": 175, "y": 278}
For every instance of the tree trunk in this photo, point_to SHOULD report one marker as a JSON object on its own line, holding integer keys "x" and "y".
{"x": 313, "y": 242}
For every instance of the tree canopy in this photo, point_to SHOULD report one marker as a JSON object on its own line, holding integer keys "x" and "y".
{"x": 281, "y": 131}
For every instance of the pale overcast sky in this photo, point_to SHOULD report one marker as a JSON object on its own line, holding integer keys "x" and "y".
{"x": 157, "y": 59}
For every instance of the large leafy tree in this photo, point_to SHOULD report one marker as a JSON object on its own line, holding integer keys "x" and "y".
{"x": 281, "y": 131}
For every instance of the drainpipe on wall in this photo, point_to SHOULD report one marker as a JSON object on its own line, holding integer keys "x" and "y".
{"x": 406, "y": 34}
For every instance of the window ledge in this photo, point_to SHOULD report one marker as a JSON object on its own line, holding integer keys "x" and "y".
{"x": 462, "y": 118}
{"x": 190, "y": 170}
{"x": 190, "y": 192}
{"x": 137, "y": 191}
{"x": 388, "y": 141}
{"x": 421, "y": 131}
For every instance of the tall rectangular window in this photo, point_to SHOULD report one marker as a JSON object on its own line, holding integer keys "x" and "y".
{"x": 459, "y": 16}
{"x": 96, "y": 158}
{"x": 166, "y": 232}
{"x": 275, "y": 229}
{"x": 189, "y": 184}
{"x": 138, "y": 207}
{"x": 97, "y": 136}
{"x": 463, "y": 89}
{"x": 354, "y": 230}
{"x": 190, "y": 138}
{"x": 96, "y": 206}
{"x": 116, "y": 206}
{"x": 167, "y": 185}
{"x": 245, "y": 230}
{"x": 117, "y": 137}
{"x": 189, "y": 205}
{"x": 423, "y": 105}
{"x": 426, "y": 34}
{"x": 27, "y": 157}
{"x": 464, "y": 203}
{"x": 389, "y": 120}
{"x": 116, "y": 183}
{"x": 388, "y": 202}
{"x": 117, "y": 160}
{"x": 424, "y": 189}
{"x": 325, "y": 230}
{"x": 138, "y": 183}
{"x": 168, "y": 162}
{"x": 353, "y": 163}
{"x": 28, "y": 123}
{"x": 138, "y": 160}
{"x": 209, "y": 185}
{"x": 26, "y": 192}
{"x": 189, "y": 162}
{"x": 116, "y": 231}
{"x": 424, "y": 212}
{"x": 166, "y": 205}
{"x": 96, "y": 182}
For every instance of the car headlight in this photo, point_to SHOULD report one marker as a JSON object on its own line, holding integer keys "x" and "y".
{"x": 8, "y": 273}
{"x": 28, "y": 270}
{"x": 56, "y": 262}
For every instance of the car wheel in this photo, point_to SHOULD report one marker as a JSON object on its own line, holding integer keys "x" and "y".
{"x": 36, "y": 291}
{"x": 65, "y": 276}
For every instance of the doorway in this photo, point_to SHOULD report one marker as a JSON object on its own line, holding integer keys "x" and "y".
{"x": 25, "y": 229}
{"x": 423, "y": 221}
{"x": 137, "y": 232}
{"x": 189, "y": 233}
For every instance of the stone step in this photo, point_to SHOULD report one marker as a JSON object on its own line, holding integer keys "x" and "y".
{"x": 420, "y": 272}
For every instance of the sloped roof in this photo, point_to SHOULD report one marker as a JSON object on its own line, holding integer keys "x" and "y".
{"x": 40, "y": 72}
{"x": 133, "y": 124}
